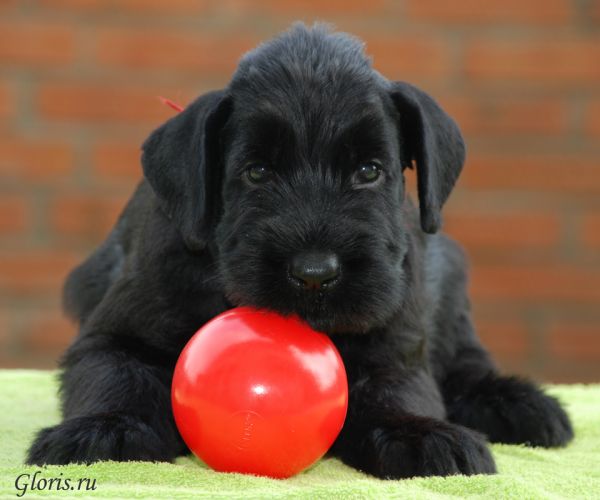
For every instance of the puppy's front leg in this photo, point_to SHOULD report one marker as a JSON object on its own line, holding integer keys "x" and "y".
{"x": 116, "y": 406}
{"x": 395, "y": 429}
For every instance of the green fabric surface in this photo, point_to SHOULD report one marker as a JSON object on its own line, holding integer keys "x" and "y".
{"x": 28, "y": 402}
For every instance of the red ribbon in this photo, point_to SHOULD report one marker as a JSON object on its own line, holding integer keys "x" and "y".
{"x": 170, "y": 103}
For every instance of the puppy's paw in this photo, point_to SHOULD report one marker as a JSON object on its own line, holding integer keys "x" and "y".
{"x": 513, "y": 411}
{"x": 421, "y": 446}
{"x": 89, "y": 439}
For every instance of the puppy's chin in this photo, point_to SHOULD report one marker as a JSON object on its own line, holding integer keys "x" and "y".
{"x": 318, "y": 319}
{"x": 331, "y": 326}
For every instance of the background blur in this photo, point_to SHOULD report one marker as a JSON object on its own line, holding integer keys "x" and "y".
{"x": 78, "y": 87}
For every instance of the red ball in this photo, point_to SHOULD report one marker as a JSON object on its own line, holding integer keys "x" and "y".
{"x": 259, "y": 393}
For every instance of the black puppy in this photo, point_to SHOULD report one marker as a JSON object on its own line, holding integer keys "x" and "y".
{"x": 286, "y": 191}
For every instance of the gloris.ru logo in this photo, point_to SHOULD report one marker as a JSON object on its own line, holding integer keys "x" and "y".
{"x": 32, "y": 482}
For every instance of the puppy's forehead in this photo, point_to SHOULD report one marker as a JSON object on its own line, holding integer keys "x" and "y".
{"x": 345, "y": 111}
{"x": 308, "y": 73}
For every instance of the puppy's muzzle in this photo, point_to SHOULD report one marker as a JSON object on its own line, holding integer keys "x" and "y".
{"x": 315, "y": 270}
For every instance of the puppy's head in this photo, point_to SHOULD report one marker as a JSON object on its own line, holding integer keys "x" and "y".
{"x": 293, "y": 176}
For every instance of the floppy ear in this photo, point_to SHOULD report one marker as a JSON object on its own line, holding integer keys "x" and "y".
{"x": 181, "y": 162}
{"x": 432, "y": 139}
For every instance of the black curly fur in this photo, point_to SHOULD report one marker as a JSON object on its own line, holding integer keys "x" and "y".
{"x": 507, "y": 410}
{"x": 198, "y": 238}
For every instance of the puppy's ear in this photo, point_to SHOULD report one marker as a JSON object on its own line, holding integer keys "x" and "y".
{"x": 432, "y": 139}
{"x": 181, "y": 161}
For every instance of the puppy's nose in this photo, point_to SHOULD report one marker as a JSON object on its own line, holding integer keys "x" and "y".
{"x": 312, "y": 270}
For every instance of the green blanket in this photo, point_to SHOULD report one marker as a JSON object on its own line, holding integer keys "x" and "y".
{"x": 28, "y": 402}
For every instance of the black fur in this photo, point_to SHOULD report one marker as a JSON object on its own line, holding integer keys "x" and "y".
{"x": 198, "y": 237}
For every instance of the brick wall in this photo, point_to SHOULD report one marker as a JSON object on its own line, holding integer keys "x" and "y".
{"x": 78, "y": 80}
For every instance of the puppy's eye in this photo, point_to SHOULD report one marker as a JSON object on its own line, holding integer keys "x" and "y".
{"x": 258, "y": 173}
{"x": 367, "y": 173}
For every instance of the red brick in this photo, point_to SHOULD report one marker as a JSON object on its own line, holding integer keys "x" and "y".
{"x": 14, "y": 215}
{"x": 595, "y": 11}
{"x": 536, "y": 12}
{"x": 575, "y": 341}
{"x": 34, "y": 272}
{"x": 85, "y": 215}
{"x": 400, "y": 57}
{"x": 507, "y": 116}
{"x": 557, "y": 372}
{"x": 545, "y": 62}
{"x": 97, "y": 103}
{"x": 27, "y": 361}
{"x": 7, "y": 5}
{"x": 503, "y": 230}
{"x": 556, "y": 173}
{"x": 117, "y": 161}
{"x": 536, "y": 283}
{"x": 7, "y": 101}
{"x": 165, "y": 6}
{"x": 593, "y": 118}
{"x": 5, "y": 333}
{"x": 77, "y": 5}
{"x": 47, "y": 332}
{"x": 34, "y": 160}
{"x": 303, "y": 8}
{"x": 591, "y": 230}
{"x": 137, "y": 7}
{"x": 37, "y": 44}
{"x": 172, "y": 51}
{"x": 504, "y": 338}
